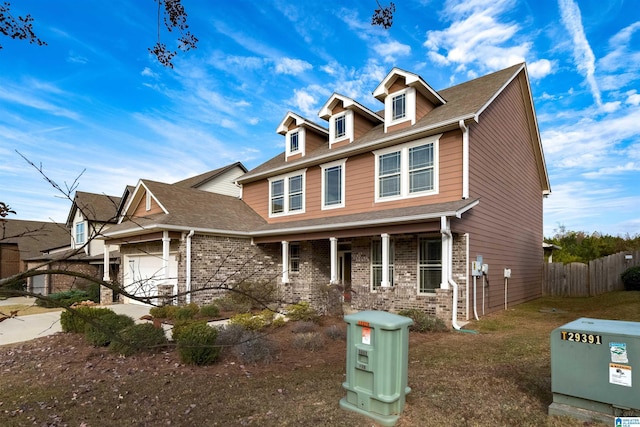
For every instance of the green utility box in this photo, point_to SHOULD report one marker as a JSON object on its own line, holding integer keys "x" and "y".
{"x": 377, "y": 365}
{"x": 592, "y": 362}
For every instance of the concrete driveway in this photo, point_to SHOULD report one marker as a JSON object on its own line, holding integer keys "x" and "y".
{"x": 25, "y": 328}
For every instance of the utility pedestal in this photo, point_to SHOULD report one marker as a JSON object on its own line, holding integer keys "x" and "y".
{"x": 377, "y": 365}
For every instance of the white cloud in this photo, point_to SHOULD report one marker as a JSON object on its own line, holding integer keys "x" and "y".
{"x": 633, "y": 98}
{"x": 391, "y": 50}
{"x": 541, "y": 68}
{"x": 613, "y": 170}
{"x": 582, "y": 54}
{"x": 611, "y": 107}
{"x": 291, "y": 66}
{"x": 305, "y": 102}
{"x": 147, "y": 72}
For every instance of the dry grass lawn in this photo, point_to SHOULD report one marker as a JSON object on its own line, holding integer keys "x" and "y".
{"x": 497, "y": 377}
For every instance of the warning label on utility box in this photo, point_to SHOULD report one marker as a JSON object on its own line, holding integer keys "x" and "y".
{"x": 366, "y": 336}
{"x": 620, "y": 374}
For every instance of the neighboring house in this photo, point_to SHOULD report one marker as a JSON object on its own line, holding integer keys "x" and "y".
{"x": 90, "y": 215}
{"x": 391, "y": 206}
{"x": 22, "y": 240}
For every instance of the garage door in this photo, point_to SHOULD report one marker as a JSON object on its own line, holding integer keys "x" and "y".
{"x": 143, "y": 275}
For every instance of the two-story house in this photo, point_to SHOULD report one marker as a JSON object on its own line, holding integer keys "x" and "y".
{"x": 393, "y": 205}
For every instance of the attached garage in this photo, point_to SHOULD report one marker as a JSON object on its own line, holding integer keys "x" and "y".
{"x": 143, "y": 273}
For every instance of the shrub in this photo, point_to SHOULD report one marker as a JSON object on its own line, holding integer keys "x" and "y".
{"x": 255, "y": 347}
{"x": 335, "y": 333}
{"x": 189, "y": 311}
{"x": 210, "y": 311}
{"x": 108, "y": 325}
{"x": 311, "y": 341}
{"x": 93, "y": 292}
{"x": 302, "y": 311}
{"x": 180, "y": 325}
{"x": 278, "y": 322}
{"x": 64, "y": 299}
{"x": 230, "y": 335}
{"x": 138, "y": 338}
{"x": 631, "y": 279}
{"x": 248, "y": 321}
{"x": 164, "y": 312}
{"x": 196, "y": 344}
{"x": 72, "y": 322}
{"x": 227, "y": 303}
{"x": 422, "y": 322}
{"x": 303, "y": 326}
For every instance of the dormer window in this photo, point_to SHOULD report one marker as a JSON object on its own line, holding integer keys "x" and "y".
{"x": 295, "y": 140}
{"x": 294, "y": 143}
{"x": 399, "y": 105}
{"x": 340, "y": 126}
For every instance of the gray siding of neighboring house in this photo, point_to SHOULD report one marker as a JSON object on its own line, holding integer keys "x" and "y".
{"x": 506, "y": 227}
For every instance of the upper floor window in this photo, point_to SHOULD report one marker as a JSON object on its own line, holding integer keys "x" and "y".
{"x": 80, "y": 233}
{"x": 429, "y": 264}
{"x": 408, "y": 170}
{"x": 333, "y": 184}
{"x": 286, "y": 194}
{"x": 340, "y": 126}
{"x": 295, "y": 141}
{"x": 294, "y": 144}
{"x": 399, "y": 107}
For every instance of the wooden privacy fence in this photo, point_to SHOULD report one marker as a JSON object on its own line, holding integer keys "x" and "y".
{"x": 582, "y": 280}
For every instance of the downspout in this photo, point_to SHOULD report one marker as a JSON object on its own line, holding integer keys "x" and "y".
{"x": 188, "y": 269}
{"x": 465, "y": 159}
{"x": 444, "y": 229}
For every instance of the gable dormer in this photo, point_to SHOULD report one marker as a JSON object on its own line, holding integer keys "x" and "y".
{"x": 301, "y": 136}
{"x": 348, "y": 120}
{"x": 142, "y": 203}
{"x": 407, "y": 98}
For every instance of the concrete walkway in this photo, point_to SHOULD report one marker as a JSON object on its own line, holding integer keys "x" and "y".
{"x": 25, "y": 328}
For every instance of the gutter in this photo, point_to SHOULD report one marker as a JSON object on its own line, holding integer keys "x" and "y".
{"x": 446, "y": 232}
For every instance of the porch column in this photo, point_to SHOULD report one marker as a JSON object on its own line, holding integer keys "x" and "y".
{"x": 285, "y": 261}
{"x": 105, "y": 259}
{"x": 446, "y": 261}
{"x": 334, "y": 260}
{"x": 165, "y": 261}
{"x": 385, "y": 260}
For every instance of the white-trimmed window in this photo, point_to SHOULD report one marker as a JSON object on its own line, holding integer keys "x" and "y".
{"x": 286, "y": 194}
{"x": 295, "y": 140}
{"x": 341, "y": 127}
{"x": 400, "y": 107}
{"x": 147, "y": 201}
{"x": 429, "y": 264}
{"x": 294, "y": 257}
{"x": 376, "y": 263}
{"x": 333, "y": 184}
{"x": 80, "y": 233}
{"x": 408, "y": 170}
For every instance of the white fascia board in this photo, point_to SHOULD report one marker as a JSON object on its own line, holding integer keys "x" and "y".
{"x": 162, "y": 227}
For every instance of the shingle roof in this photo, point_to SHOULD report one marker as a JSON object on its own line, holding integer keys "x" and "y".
{"x": 366, "y": 219}
{"x": 198, "y": 180}
{"x": 464, "y": 101}
{"x": 190, "y": 208}
{"x": 95, "y": 207}
{"x": 33, "y": 237}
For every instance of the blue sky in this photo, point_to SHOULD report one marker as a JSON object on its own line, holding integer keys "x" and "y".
{"x": 94, "y": 100}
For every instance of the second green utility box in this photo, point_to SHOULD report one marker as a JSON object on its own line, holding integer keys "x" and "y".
{"x": 377, "y": 365}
